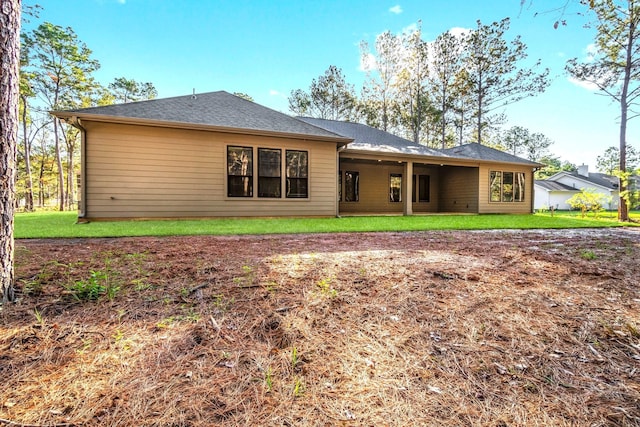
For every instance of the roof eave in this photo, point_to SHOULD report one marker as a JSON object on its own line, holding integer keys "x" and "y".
{"x": 67, "y": 115}
{"x": 444, "y": 159}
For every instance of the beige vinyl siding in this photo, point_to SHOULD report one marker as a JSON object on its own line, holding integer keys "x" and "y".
{"x": 486, "y": 206}
{"x": 434, "y": 182}
{"x": 374, "y": 188}
{"x": 150, "y": 172}
{"x": 458, "y": 189}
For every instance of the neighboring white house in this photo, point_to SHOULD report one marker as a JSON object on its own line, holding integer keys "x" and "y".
{"x": 557, "y": 189}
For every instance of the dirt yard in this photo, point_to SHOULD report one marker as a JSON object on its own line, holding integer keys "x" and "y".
{"x": 505, "y": 328}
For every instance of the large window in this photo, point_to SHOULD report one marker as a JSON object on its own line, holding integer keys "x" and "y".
{"x": 506, "y": 186}
{"x": 351, "y": 186}
{"x": 421, "y": 188}
{"x": 395, "y": 187}
{"x": 297, "y": 174}
{"x": 269, "y": 172}
{"x": 239, "y": 171}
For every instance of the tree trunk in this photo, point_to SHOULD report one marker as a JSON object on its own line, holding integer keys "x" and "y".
{"x": 9, "y": 95}
{"x": 27, "y": 158}
{"x": 623, "y": 211}
{"x": 61, "y": 188}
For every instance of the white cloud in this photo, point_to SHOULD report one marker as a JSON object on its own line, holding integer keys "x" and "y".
{"x": 397, "y": 9}
{"x": 410, "y": 29}
{"x": 122, "y": 1}
{"x": 273, "y": 92}
{"x": 459, "y": 31}
{"x": 583, "y": 84}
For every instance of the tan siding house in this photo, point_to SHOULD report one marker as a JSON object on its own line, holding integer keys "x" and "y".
{"x": 217, "y": 155}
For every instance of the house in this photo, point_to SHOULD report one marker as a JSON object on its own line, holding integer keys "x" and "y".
{"x": 554, "y": 191}
{"x": 218, "y": 155}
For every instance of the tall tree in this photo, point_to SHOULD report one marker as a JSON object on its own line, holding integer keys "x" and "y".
{"x": 329, "y": 97}
{"x": 444, "y": 69}
{"x": 494, "y": 76}
{"x": 520, "y": 141}
{"x": 62, "y": 67}
{"x": 413, "y": 104}
{"x": 382, "y": 68}
{"x": 9, "y": 95}
{"x": 26, "y": 93}
{"x": 553, "y": 165}
{"x": 609, "y": 161}
{"x": 129, "y": 90}
{"x": 615, "y": 67}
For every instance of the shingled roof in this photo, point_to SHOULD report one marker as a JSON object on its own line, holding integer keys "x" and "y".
{"x": 372, "y": 139}
{"x": 554, "y": 186}
{"x": 213, "y": 109}
{"x": 482, "y": 152}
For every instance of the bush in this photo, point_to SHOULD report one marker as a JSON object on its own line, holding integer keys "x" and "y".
{"x": 588, "y": 200}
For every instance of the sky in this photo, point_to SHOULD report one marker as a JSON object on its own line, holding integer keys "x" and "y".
{"x": 267, "y": 48}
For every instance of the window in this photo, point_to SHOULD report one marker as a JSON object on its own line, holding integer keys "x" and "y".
{"x": 423, "y": 190}
{"x": 339, "y": 186}
{"x": 518, "y": 188}
{"x": 297, "y": 174}
{"x": 239, "y": 171}
{"x": 395, "y": 187}
{"x": 269, "y": 172}
{"x": 506, "y": 186}
{"x": 351, "y": 186}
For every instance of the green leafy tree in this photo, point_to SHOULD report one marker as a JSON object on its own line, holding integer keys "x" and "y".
{"x": 520, "y": 141}
{"x": 26, "y": 93}
{"x": 413, "y": 104}
{"x": 62, "y": 77}
{"x": 9, "y": 94}
{"x": 615, "y": 66}
{"x": 588, "y": 200}
{"x": 445, "y": 68}
{"x": 495, "y": 80}
{"x": 553, "y": 165}
{"x": 609, "y": 161}
{"x": 243, "y": 96}
{"x": 129, "y": 90}
{"x": 329, "y": 97}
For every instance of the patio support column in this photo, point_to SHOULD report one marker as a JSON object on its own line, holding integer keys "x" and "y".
{"x": 408, "y": 194}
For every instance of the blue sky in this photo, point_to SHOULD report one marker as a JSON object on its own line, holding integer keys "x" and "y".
{"x": 269, "y": 48}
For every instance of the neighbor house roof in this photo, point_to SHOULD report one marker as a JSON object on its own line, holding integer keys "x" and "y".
{"x": 482, "y": 152}
{"x": 368, "y": 138}
{"x": 220, "y": 110}
{"x": 554, "y": 186}
{"x": 599, "y": 179}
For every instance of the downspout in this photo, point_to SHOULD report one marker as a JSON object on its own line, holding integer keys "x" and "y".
{"x": 82, "y": 205}
{"x": 338, "y": 181}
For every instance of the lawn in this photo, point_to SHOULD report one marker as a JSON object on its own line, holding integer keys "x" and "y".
{"x": 64, "y": 224}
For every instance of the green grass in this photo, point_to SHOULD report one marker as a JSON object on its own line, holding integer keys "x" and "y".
{"x": 63, "y": 224}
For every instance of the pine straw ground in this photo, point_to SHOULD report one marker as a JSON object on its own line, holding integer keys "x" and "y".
{"x": 535, "y": 328}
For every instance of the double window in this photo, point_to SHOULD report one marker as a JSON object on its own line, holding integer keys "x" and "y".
{"x": 506, "y": 186}
{"x": 240, "y": 172}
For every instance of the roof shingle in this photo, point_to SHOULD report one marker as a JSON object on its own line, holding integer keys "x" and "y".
{"x": 217, "y": 109}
